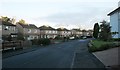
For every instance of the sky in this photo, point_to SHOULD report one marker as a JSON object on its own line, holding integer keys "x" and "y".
{"x": 70, "y": 14}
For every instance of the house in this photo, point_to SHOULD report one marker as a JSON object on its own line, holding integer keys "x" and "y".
{"x": 47, "y": 32}
{"x": 29, "y": 31}
{"x": 63, "y": 32}
{"x": 8, "y": 30}
{"x": 115, "y": 22}
{"x": 90, "y": 32}
{"x": 76, "y": 32}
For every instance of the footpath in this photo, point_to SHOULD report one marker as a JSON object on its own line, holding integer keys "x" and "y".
{"x": 110, "y": 58}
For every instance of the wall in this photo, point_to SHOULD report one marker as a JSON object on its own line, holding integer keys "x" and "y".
{"x": 114, "y": 23}
{"x": 119, "y": 25}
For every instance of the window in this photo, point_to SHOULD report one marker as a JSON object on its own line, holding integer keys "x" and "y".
{"x": 29, "y": 30}
{"x": 119, "y": 15}
{"x": 14, "y": 29}
{"x": 6, "y": 28}
{"x": 47, "y": 31}
{"x": 50, "y": 31}
{"x": 0, "y": 27}
{"x": 35, "y": 30}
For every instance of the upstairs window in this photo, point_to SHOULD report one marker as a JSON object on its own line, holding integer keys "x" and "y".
{"x": 0, "y": 27}
{"x": 29, "y": 30}
{"x": 119, "y": 15}
{"x": 35, "y": 30}
{"x": 6, "y": 28}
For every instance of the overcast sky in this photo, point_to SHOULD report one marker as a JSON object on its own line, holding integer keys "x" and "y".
{"x": 59, "y": 13}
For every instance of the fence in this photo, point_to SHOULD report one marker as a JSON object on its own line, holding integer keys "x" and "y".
{"x": 15, "y": 45}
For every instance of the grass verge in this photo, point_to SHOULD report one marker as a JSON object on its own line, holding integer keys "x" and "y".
{"x": 99, "y": 45}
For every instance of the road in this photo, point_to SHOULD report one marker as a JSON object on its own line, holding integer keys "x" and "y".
{"x": 64, "y": 55}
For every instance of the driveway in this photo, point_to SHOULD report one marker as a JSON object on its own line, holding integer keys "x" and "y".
{"x": 72, "y": 54}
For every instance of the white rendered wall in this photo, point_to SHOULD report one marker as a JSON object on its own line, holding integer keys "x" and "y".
{"x": 114, "y": 23}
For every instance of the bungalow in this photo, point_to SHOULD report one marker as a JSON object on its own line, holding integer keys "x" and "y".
{"x": 47, "y": 32}
{"x": 8, "y": 30}
{"x": 115, "y": 22}
{"x": 29, "y": 31}
{"x": 63, "y": 32}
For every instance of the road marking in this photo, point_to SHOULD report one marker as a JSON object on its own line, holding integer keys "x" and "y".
{"x": 73, "y": 60}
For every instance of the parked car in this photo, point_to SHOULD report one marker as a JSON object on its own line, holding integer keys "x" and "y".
{"x": 84, "y": 37}
{"x": 71, "y": 38}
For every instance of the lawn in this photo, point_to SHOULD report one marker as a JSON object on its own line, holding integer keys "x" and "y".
{"x": 99, "y": 45}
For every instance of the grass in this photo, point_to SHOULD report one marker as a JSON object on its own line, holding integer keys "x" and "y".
{"x": 99, "y": 45}
{"x": 56, "y": 41}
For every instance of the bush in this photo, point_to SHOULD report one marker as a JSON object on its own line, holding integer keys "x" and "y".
{"x": 41, "y": 41}
{"x": 58, "y": 37}
{"x": 35, "y": 42}
{"x": 116, "y": 39}
{"x": 45, "y": 41}
{"x": 103, "y": 47}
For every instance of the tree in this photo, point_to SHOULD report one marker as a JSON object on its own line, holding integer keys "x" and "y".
{"x": 96, "y": 30}
{"x": 6, "y": 19}
{"x": 13, "y": 20}
{"x": 20, "y": 37}
{"x": 22, "y": 21}
{"x": 105, "y": 33}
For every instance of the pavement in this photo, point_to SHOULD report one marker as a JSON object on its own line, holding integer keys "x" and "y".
{"x": 110, "y": 58}
{"x": 72, "y": 54}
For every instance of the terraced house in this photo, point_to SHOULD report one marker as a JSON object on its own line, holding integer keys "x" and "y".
{"x": 29, "y": 31}
{"x": 47, "y": 32}
{"x": 63, "y": 32}
{"x": 76, "y": 32}
{"x": 9, "y": 31}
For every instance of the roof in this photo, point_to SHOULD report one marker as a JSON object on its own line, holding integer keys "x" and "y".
{"x": 76, "y": 29}
{"x": 84, "y": 30}
{"x": 6, "y": 23}
{"x": 62, "y": 29}
{"x": 28, "y": 25}
{"x": 46, "y": 28}
{"x": 116, "y": 10}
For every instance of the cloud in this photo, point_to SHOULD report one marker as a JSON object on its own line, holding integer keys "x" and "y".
{"x": 83, "y": 19}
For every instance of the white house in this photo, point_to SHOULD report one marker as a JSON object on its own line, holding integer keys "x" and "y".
{"x": 115, "y": 21}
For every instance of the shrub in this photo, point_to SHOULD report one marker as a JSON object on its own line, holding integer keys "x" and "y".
{"x": 116, "y": 39}
{"x": 103, "y": 47}
{"x": 58, "y": 37}
{"x": 45, "y": 41}
{"x": 41, "y": 41}
{"x": 35, "y": 42}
